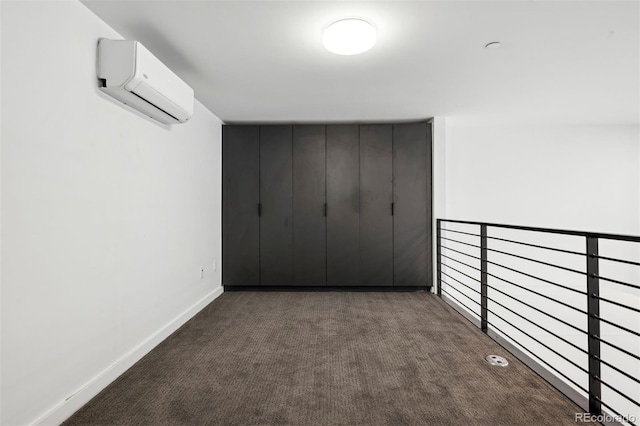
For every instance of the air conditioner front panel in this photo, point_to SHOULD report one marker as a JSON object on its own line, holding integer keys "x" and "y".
{"x": 131, "y": 74}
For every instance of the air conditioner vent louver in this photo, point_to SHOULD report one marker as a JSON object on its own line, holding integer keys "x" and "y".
{"x": 155, "y": 106}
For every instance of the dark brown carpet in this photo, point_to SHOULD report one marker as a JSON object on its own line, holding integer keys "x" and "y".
{"x": 327, "y": 358}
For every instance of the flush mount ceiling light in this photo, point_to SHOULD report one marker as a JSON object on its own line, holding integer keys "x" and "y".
{"x": 349, "y": 37}
{"x": 493, "y": 45}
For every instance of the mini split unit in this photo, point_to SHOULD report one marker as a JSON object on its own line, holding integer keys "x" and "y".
{"x": 130, "y": 73}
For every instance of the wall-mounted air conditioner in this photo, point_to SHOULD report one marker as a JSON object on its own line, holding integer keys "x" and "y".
{"x": 130, "y": 73}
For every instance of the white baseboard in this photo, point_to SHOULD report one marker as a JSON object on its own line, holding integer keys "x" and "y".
{"x": 64, "y": 409}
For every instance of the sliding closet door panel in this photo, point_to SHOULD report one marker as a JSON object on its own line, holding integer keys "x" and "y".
{"x": 276, "y": 197}
{"x": 241, "y": 227}
{"x": 376, "y": 195}
{"x": 410, "y": 171}
{"x": 309, "y": 197}
{"x": 343, "y": 205}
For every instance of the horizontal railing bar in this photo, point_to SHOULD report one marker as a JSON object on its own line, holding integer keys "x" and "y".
{"x": 542, "y": 360}
{"x": 538, "y": 278}
{"x": 459, "y": 261}
{"x": 460, "y": 272}
{"x": 519, "y": 286}
{"x": 624, "y": 351}
{"x": 611, "y": 280}
{"x": 540, "y": 327}
{"x": 461, "y": 283}
{"x": 537, "y": 309}
{"x": 519, "y": 272}
{"x": 520, "y": 257}
{"x": 613, "y": 302}
{"x": 514, "y": 298}
{"x": 461, "y": 252}
{"x": 613, "y": 259}
{"x": 514, "y": 312}
{"x": 540, "y": 294}
{"x": 614, "y": 411}
{"x": 460, "y": 232}
{"x": 461, "y": 242}
{"x": 540, "y": 343}
{"x": 462, "y": 304}
{"x": 465, "y": 295}
{"x": 629, "y": 376}
{"x": 577, "y": 253}
{"x": 550, "y": 230}
{"x": 628, "y": 330}
{"x": 633, "y": 401}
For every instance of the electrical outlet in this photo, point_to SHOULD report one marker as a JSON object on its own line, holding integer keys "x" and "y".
{"x": 201, "y": 272}
{"x": 214, "y": 265}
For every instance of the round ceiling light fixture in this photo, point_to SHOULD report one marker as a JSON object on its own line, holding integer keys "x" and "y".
{"x": 493, "y": 45}
{"x": 349, "y": 37}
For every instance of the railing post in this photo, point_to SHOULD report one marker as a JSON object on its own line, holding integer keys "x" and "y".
{"x": 593, "y": 324}
{"x": 438, "y": 258}
{"x": 483, "y": 278}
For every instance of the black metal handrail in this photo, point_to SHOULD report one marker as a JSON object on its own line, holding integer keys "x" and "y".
{"x": 618, "y": 237}
{"x": 454, "y": 260}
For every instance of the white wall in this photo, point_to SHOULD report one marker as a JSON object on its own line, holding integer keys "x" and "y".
{"x": 572, "y": 177}
{"x": 107, "y": 217}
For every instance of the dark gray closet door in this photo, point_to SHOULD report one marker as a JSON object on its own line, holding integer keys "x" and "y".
{"x": 343, "y": 205}
{"x": 276, "y": 197}
{"x": 376, "y": 195}
{"x": 411, "y": 166}
{"x": 241, "y": 226}
{"x": 309, "y": 190}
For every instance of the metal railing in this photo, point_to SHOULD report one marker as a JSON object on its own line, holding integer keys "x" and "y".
{"x": 545, "y": 300}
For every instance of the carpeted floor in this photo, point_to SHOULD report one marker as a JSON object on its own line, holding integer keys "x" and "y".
{"x": 327, "y": 358}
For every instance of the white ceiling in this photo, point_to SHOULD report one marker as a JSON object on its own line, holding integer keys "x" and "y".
{"x": 560, "y": 61}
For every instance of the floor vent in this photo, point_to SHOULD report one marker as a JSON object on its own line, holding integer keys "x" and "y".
{"x": 497, "y": 360}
